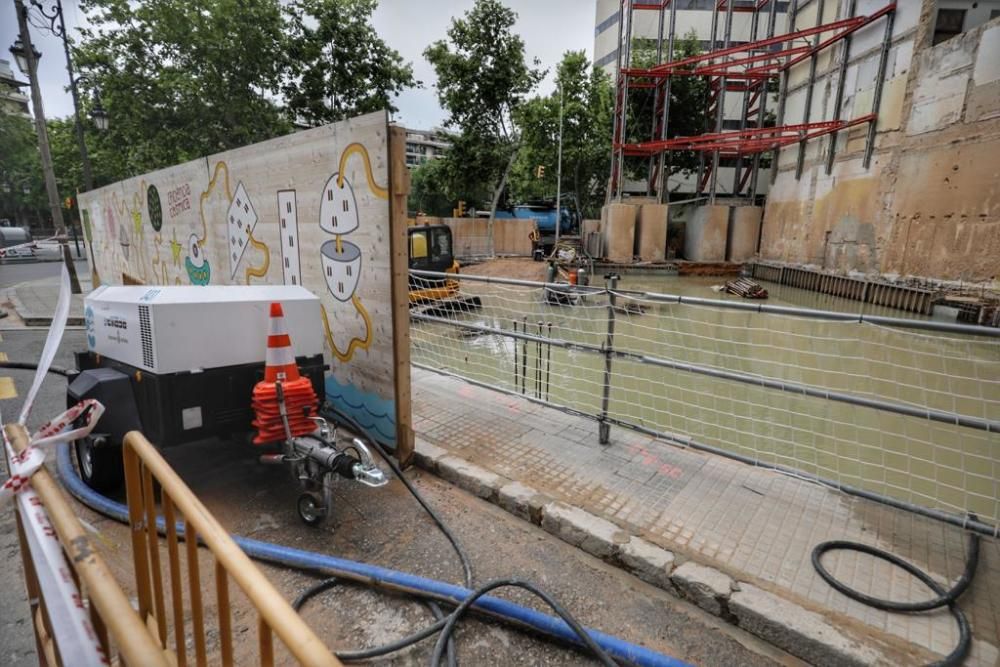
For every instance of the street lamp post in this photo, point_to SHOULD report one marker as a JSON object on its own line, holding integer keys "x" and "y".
{"x": 58, "y": 26}
{"x": 27, "y": 55}
{"x": 559, "y": 169}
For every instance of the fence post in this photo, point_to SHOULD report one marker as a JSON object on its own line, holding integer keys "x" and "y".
{"x": 603, "y": 427}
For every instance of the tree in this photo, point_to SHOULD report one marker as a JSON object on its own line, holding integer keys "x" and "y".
{"x": 185, "y": 79}
{"x": 587, "y": 109}
{"x": 182, "y": 79}
{"x": 22, "y": 191}
{"x": 429, "y": 190}
{"x": 483, "y": 77}
{"x": 339, "y": 67}
{"x": 687, "y": 104}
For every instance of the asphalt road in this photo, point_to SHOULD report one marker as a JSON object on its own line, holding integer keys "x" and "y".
{"x": 385, "y": 527}
{"x": 15, "y": 271}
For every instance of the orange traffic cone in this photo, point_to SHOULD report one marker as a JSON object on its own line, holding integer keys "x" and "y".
{"x": 298, "y": 393}
{"x": 279, "y": 363}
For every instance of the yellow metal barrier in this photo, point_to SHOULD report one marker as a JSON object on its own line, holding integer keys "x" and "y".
{"x": 143, "y": 464}
{"x": 112, "y": 616}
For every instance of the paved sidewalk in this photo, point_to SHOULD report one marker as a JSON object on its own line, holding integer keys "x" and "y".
{"x": 750, "y": 525}
{"x": 35, "y": 301}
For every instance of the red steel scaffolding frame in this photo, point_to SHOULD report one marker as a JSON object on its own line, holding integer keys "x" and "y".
{"x": 746, "y": 69}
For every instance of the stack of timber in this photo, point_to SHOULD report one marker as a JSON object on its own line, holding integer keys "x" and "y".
{"x": 746, "y": 288}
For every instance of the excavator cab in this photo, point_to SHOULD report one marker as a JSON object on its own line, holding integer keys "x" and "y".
{"x": 430, "y": 248}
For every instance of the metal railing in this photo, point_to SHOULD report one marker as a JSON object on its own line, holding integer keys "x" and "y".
{"x": 117, "y": 626}
{"x": 590, "y": 340}
{"x": 185, "y": 516}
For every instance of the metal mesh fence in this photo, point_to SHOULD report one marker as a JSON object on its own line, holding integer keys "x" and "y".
{"x": 868, "y": 403}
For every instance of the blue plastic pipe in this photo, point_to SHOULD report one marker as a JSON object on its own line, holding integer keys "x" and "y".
{"x": 382, "y": 577}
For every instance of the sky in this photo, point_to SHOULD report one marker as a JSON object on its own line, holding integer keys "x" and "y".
{"x": 549, "y": 29}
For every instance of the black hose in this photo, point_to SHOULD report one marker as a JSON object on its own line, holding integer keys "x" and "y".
{"x": 398, "y": 645}
{"x": 444, "y": 647}
{"x": 944, "y": 597}
{"x": 445, "y": 624}
{"x": 462, "y": 556}
{"x": 449, "y": 628}
{"x": 26, "y": 366}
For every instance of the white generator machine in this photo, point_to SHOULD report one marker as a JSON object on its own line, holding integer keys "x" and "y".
{"x": 181, "y": 363}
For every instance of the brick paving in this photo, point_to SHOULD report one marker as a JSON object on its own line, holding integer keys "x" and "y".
{"x": 756, "y": 525}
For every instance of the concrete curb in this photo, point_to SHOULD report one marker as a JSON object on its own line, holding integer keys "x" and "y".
{"x": 781, "y": 622}
{"x": 32, "y": 319}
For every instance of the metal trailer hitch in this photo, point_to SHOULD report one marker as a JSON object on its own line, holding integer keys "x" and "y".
{"x": 316, "y": 461}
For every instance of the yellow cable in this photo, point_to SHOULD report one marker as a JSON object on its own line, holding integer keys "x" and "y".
{"x": 356, "y": 342}
{"x": 377, "y": 190}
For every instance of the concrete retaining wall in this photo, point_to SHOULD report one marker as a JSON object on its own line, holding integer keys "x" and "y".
{"x": 705, "y": 234}
{"x": 651, "y": 233}
{"x": 744, "y": 232}
{"x": 618, "y": 224}
{"x": 928, "y": 205}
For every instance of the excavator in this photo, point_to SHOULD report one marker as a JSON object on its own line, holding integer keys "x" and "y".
{"x": 430, "y": 249}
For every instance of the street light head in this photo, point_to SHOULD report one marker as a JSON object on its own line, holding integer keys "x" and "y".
{"x": 21, "y": 56}
{"x": 99, "y": 116}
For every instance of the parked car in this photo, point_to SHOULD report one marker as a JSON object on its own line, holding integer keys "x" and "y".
{"x": 16, "y": 242}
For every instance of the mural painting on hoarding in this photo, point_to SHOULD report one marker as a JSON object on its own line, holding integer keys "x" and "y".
{"x": 311, "y": 209}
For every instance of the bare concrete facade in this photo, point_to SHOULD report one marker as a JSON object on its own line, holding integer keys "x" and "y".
{"x": 929, "y": 205}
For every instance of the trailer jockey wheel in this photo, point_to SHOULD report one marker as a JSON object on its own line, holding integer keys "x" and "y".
{"x": 100, "y": 463}
{"x": 310, "y": 507}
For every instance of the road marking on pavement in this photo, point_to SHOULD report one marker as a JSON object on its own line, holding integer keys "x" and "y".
{"x": 3, "y": 356}
{"x": 7, "y": 389}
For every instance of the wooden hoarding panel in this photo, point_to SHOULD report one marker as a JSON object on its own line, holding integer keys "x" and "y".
{"x": 310, "y": 208}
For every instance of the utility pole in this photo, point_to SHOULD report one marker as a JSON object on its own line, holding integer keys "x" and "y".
{"x": 88, "y": 179}
{"x": 559, "y": 169}
{"x": 43, "y": 138}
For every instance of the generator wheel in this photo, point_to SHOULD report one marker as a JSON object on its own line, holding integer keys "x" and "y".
{"x": 310, "y": 508}
{"x": 100, "y": 463}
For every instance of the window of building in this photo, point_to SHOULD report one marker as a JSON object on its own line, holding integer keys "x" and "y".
{"x": 949, "y": 23}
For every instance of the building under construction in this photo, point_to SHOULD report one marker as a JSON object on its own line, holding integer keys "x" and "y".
{"x": 879, "y": 121}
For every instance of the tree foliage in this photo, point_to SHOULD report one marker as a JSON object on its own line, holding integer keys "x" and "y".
{"x": 687, "y": 103}
{"x": 483, "y": 77}
{"x": 21, "y": 168}
{"x": 429, "y": 193}
{"x": 22, "y": 191}
{"x": 587, "y": 110}
{"x": 338, "y": 65}
{"x": 184, "y": 79}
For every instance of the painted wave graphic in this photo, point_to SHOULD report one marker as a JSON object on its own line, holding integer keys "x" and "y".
{"x": 371, "y": 411}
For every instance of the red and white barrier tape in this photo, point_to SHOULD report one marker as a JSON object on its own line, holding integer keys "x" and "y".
{"x": 72, "y": 630}
{"x": 30, "y": 244}
{"x": 24, "y": 465}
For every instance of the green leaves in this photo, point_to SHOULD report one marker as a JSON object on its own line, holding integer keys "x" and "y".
{"x": 588, "y": 106}
{"x": 338, "y": 66}
{"x": 184, "y": 79}
{"x": 483, "y": 77}
{"x": 22, "y": 191}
